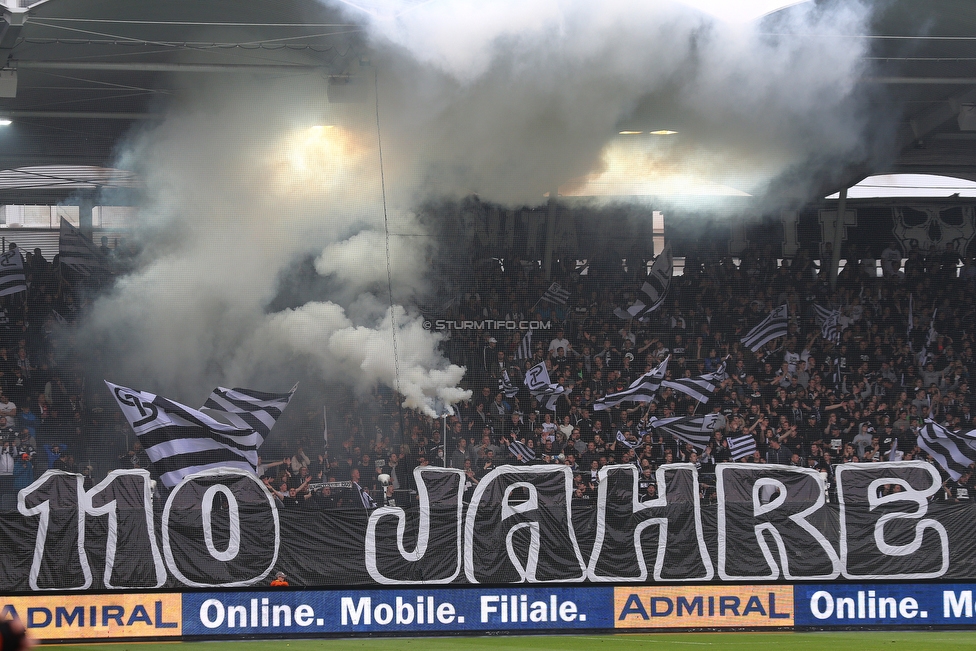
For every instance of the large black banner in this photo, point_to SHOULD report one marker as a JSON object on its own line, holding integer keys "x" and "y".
{"x": 521, "y": 524}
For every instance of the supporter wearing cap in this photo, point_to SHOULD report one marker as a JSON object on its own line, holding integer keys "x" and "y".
{"x": 280, "y": 581}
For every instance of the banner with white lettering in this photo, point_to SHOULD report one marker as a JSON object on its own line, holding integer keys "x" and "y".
{"x": 519, "y": 524}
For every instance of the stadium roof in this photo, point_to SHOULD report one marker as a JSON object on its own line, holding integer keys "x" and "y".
{"x": 87, "y": 71}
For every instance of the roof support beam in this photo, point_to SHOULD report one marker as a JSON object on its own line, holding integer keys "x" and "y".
{"x": 11, "y": 22}
{"x": 928, "y": 121}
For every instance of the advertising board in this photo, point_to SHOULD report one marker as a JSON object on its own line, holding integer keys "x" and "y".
{"x": 434, "y": 610}
{"x": 730, "y": 606}
{"x": 415, "y": 610}
{"x": 884, "y": 604}
{"x": 81, "y": 616}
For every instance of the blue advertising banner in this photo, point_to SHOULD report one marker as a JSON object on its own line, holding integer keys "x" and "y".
{"x": 884, "y": 604}
{"x": 269, "y": 612}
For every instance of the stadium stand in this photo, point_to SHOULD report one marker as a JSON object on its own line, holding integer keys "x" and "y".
{"x": 803, "y": 400}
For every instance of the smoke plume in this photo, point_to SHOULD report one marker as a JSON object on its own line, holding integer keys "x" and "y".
{"x": 506, "y": 99}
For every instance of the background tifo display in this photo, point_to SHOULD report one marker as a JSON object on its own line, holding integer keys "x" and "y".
{"x": 223, "y": 529}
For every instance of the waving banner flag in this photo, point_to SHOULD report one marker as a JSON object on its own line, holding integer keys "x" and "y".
{"x": 248, "y": 408}
{"x": 774, "y": 326}
{"x": 12, "y": 278}
{"x": 180, "y": 440}
{"x": 821, "y": 312}
{"x": 524, "y": 350}
{"x": 78, "y": 252}
{"x": 742, "y": 446}
{"x": 540, "y": 386}
{"x": 953, "y": 452}
{"x": 696, "y": 430}
{"x": 643, "y": 389}
{"x": 655, "y": 288}
{"x": 506, "y": 385}
{"x": 521, "y": 452}
{"x": 556, "y": 294}
{"x": 702, "y": 387}
{"x": 830, "y": 330}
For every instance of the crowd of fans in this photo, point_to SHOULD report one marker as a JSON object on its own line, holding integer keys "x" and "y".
{"x": 44, "y": 422}
{"x": 805, "y": 400}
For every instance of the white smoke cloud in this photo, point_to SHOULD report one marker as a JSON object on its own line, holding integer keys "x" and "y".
{"x": 360, "y": 262}
{"x": 235, "y": 192}
{"x": 362, "y": 355}
{"x": 508, "y": 99}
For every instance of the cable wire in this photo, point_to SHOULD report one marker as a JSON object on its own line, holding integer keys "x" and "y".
{"x": 389, "y": 264}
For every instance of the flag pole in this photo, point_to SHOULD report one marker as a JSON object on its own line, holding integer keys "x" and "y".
{"x": 325, "y": 425}
{"x": 532, "y": 309}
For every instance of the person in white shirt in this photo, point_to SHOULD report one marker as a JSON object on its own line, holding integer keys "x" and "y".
{"x": 560, "y": 342}
{"x": 8, "y": 409}
{"x": 566, "y": 428}
{"x": 548, "y": 427}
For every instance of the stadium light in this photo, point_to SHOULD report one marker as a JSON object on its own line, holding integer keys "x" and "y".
{"x": 4, "y": 122}
{"x": 630, "y": 133}
{"x": 663, "y": 132}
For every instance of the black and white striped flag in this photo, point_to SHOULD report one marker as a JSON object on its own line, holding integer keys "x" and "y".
{"x": 12, "y": 278}
{"x": 180, "y": 440}
{"x": 702, "y": 387}
{"x": 364, "y": 497}
{"x": 830, "y": 329}
{"x": 643, "y": 389}
{"x": 954, "y": 452}
{"x": 556, "y": 294}
{"x": 248, "y": 408}
{"x": 742, "y": 446}
{"x": 696, "y": 430}
{"x": 822, "y": 313}
{"x": 772, "y": 327}
{"x": 655, "y": 287}
{"x": 506, "y": 385}
{"x": 622, "y": 438}
{"x": 524, "y": 350}
{"x": 78, "y": 252}
{"x": 521, "y": 451}
{"x": 541, "y": 387}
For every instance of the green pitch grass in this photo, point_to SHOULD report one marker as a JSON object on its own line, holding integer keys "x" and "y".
{"x": 859, "y": 641}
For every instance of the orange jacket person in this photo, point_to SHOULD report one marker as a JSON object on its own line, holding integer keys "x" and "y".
{"x": 279, "y": 581}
